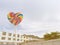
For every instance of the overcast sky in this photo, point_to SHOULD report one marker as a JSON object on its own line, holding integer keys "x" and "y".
{"x": 40, "y": 16}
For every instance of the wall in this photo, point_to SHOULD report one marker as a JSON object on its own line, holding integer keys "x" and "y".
{"x": 50, "y": 42}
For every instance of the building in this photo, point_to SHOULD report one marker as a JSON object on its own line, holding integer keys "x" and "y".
{"x": 30, "y": 37}
{"x": 12, "y": 38}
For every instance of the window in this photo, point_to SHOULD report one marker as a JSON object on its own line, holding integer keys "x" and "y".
{"x": 17, "y": 39}
{"x": 14, "y": 39}
{"x": 3, "y": 33}
{"x": 14, "y": 35}
{"x": 10, "y": 34}
{"x": 3, "y": 38}
{"x": 9, "y": 38}
{"x": 24, "y": 36}
{"x": 18, "y": 35}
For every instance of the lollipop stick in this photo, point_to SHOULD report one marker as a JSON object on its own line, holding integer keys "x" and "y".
{"x": 15, "y": 31}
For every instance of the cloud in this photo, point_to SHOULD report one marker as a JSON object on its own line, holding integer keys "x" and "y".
{"x": 40, "y": 16}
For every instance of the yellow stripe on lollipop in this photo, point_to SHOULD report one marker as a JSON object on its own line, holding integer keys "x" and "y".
{"x": 9, "y": 16}
{"x": 20, "y": 16}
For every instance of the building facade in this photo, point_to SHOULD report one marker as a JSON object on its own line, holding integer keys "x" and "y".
{"x": 12, "y": 38}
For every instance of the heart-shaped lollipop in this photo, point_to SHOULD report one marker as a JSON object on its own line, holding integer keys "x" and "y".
{"x": 15, "y": 18}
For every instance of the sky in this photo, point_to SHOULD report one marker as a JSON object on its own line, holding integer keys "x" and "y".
{"x": 40, "y": 16}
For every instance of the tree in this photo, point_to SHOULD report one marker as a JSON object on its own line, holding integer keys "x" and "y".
{"x": 47, "y": 36}
{"x": 52, "y": 35}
